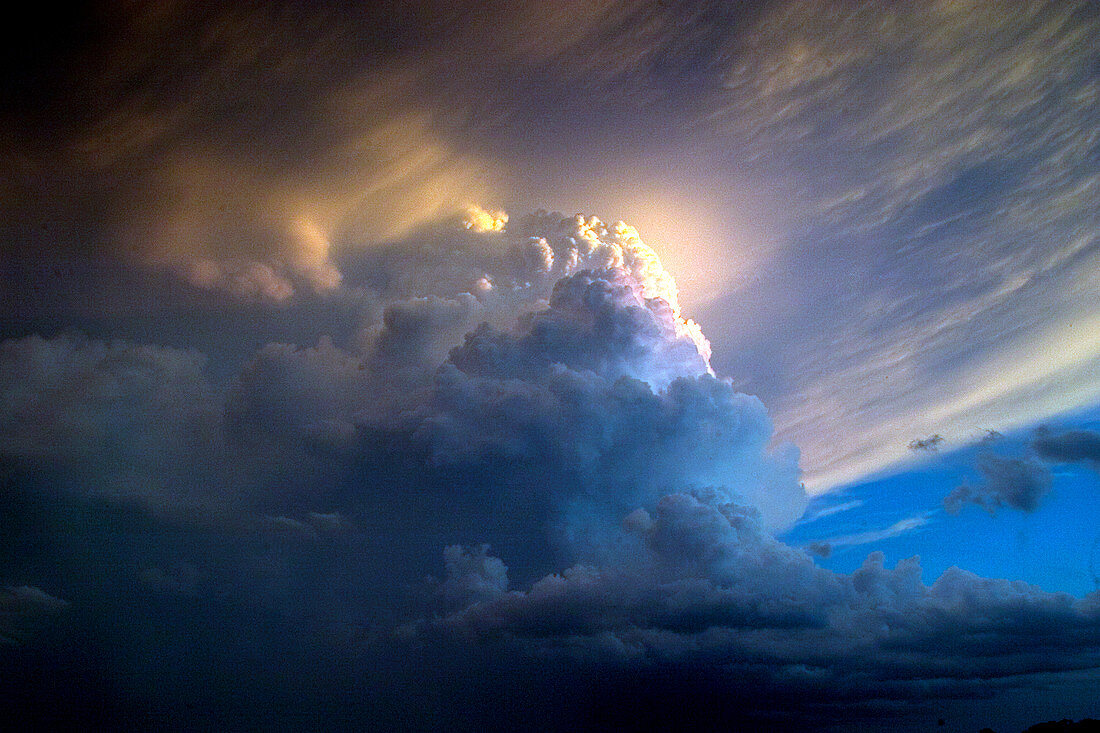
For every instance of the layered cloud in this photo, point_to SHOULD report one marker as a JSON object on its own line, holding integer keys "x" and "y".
{"x": 697, "y": 592}
{"x": 115, "y": 419}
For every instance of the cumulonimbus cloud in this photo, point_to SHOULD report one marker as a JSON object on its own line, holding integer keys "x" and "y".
{"x": 531, "y": 384}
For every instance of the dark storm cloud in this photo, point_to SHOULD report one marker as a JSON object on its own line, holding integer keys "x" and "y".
{"x": 690, "y": 567}
{"x": 120, "y": 420}
{"x": 584, "y": 395}
{"x": 599, "y": 389}
{"x": 697, "y": 592}
{"x": 253, "y": 151}
{"x": 282, "y": 186}
{"x": 1068, "y": 446}
{"x": 1015, "y": 483}
{"x": 606, "y": 386}
{"x": 25, "y": 609}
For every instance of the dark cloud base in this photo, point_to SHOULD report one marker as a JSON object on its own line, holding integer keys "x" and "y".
{"x": 282, "y": 629}
{"x": 511, "y": 495}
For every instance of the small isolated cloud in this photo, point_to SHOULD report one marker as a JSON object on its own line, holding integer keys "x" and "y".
{"x": 931, "y": 443}
{"x": 311, "y": 526}
{"x": 990, "y": 435}
{"x": 481, "y": 221}
{"x": 900, "y": 527}
{"x": 1015, "y": 483}
{"x": 274, "y": 280}
{"x": 251, "y": 281}
{"x": 1069, "y": 446}
{"x": 831, "y": 510}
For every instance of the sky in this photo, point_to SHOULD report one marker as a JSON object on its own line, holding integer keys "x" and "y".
{"x": 477, "y": 366}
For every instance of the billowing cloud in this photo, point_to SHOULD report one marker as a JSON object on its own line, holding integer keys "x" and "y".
{"x": 690, "y": 566}
{"x": 698, "y": 591}
{"x": 529, "y": 384}
{"x": 606, "y": 386}
{"x": 584, "y": 379}
{"x": 472, "y": 575}
{"x": 599, "y": 387}
{"x": 396, "y": 370}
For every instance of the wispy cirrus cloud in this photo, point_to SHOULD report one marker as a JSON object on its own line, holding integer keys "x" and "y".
{"x": 920, "y": 142}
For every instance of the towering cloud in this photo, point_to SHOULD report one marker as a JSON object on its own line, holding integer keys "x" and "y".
{"x": 341, "y": 449}
{"x": 530, "y": 385}
{"x": 599, "y": 388}
{"x": 603, "y": 391}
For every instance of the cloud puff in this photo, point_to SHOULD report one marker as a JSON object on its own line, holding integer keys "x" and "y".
{"x": 563, "y": 395}
{"x": 597, "y": 321}
{"x": 1016, "y": 483}
{"x": 472, "y": 575}
{"x": 513, "y": 266}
